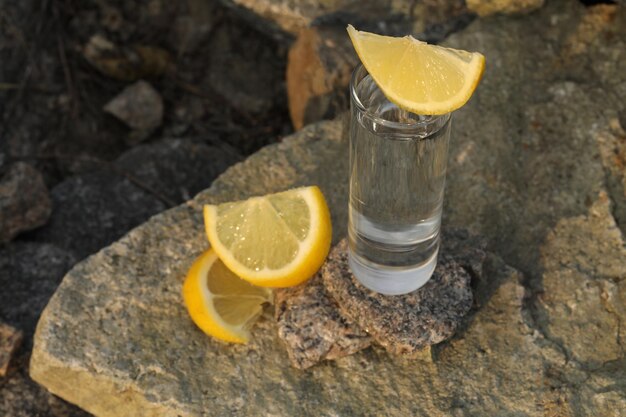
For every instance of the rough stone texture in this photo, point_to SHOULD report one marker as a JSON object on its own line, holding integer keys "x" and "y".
{"x": 489, "y": 7}
{"x": 10, "y": 339}
{"x": 580, "y": 275}
{"x": 612, "y": 146}
{"x": 467, "y": 249}
{"x": 93, "y": 210}
{"x": 402, "y": 324}
{"x": 139, "y": 105}
{"x": 525, "y": 165}
{"x": 20, "y": 396}
{"x": 126, "y": 63}
{"x": 29, "y": 274}
{"x": 311, "y": 327}
{"x": 319, "y": 67}
{"x": 292, "y": 16}
{"x": 243, "y": 69}
{"x": 20, "y": 210}
{"x": 177, "y": 169}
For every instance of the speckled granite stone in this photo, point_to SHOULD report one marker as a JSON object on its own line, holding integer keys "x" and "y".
{"x": 311, "y": 326}
{"x": 403, "y": 324}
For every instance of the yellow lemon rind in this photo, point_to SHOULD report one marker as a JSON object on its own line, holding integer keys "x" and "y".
{"x": 200, "y": 306}
{"x": 475, "y": 67}
{"x": 311, "y": 256}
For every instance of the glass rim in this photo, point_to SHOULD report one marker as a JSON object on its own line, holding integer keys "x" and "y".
{"x": 360, "y": 71}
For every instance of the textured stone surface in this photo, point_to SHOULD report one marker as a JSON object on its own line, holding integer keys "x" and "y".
{"x": 139, "y": 105}
{"x": 243, "y": 70}
{"x": 583, "y": 259}
{"x": 126, "y": 63}
{"x": 291, "y": 16}
{"x": 319, "y": 67}
{"x": 93, "y": 210}
{"x": 10, "y": 339}
{"x": 402, "y": 324}
{"x": 311, "y": 327}
{"x": 29, "y": 274}
{"x": 176, "y": 168}
{"x": 526, "y": 171}
{"x": 24, "y": 201}
{"x": 489, "y": 7}
{"x": 20, "y": 396}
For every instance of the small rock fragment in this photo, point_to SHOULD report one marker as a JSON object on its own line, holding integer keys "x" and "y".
{"x": 403, "y": 324}
{"x": 126, "y": 63}
{"x": 489, "y": 7}
{"x": 24, "y": 201}
{"x": 10, "y": 339}
{"x": 310, "y": 325}
{"x": 139, "y": 106}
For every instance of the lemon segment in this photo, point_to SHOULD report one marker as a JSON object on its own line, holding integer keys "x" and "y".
{"x": 277, "y": 240}
{"x": 418, "y": 77}
{"x": 221, "y": 304}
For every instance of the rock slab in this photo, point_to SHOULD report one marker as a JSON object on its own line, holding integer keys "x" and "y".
{"x": 530, "y": 169}
{"x": 402, "y": 324}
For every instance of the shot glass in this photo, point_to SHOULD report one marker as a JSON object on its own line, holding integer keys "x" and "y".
{"x": 397, "y": 178}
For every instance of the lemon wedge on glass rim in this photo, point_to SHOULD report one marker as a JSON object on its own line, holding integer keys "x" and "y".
{"x": 418, "y": 77}
{"x": 276, "y": 240}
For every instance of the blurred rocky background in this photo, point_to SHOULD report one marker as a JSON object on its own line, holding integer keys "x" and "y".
{"x": 112, "y": 111}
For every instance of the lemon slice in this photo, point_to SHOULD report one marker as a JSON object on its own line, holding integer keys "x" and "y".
{"x": 220, "y": 303}
{"x": 418, "y": 77}
{"x": 277, "y": 240}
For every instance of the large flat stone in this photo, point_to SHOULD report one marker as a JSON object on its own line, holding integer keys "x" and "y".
{"x": 529, "y": 170}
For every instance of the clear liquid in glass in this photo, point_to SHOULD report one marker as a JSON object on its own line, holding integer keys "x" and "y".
{"x": 397, "y": 180}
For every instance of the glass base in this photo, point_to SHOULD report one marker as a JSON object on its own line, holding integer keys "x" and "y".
{"x": 391, "y": 280}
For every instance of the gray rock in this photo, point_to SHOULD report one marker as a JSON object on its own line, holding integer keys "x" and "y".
{"x": 10, "y": 339}
{"x": 319, "y": 67}
{"x": 489, "y": 7}
{"x": 311, "y": 326}
{"x": 244, "y": 70}
{"x": 126, "y": 63}
{"x": 20, "y": 396}
{"x": 583, "y": 259}
{"x": 139, "y": 105}
{"x": 29, "y": 274}
{"x": 402, "y": 324}
{"x": 176, "y": 168}
{"x": 24, "y": 201}
{"x": 93, "y": 210}
{"x": 525, "y": 171}
{"x": 292, "y": 16}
